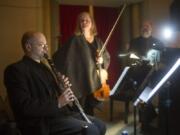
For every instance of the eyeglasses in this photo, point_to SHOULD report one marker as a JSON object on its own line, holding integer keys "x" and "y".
{"x": 40, "y": 44}
{"x": 43, "y": 45}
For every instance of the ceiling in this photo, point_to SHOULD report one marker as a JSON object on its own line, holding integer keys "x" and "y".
{"x": 105, "y": 3}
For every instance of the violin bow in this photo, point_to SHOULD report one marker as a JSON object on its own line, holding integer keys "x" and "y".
{"x": 105, "y": 43}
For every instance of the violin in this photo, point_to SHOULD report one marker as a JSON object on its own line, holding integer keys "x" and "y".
{"x": 102, "y": 93}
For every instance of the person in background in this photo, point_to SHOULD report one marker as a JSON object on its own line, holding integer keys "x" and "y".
{"x": 78, "y": 60}
{"x": 39, "y": 105}
{"x": 142, "y": 46}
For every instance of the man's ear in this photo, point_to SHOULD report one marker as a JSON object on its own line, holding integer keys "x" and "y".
{"x": 28, "y": 47}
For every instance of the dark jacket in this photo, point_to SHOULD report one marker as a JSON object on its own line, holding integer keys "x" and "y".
{"x": 141, "y": 45}
{"x": 32, "y": 93}
{"x": 76, "y": 59}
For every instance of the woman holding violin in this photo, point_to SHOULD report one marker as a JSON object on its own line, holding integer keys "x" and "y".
{"x": 79, "y": 60}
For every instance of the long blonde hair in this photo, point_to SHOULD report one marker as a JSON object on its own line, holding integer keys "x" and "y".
{"x": 78, "y": 30}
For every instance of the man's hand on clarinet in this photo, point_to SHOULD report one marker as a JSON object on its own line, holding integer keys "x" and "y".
{"x": 65, "y": 81}
{"x": 65, "y": 98}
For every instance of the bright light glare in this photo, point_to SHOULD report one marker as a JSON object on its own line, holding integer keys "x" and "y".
{"x": 167, "y": 33}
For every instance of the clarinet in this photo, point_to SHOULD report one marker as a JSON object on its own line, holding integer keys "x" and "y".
{"x": 62, "y": 86}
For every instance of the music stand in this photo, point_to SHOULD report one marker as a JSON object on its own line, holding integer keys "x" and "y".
{"x": 115, "y": 96}
{"x": 125, "y": 70}
{"x": 147, "y": 93}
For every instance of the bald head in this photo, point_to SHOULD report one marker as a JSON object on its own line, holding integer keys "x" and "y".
{"x": 34, "y": 45}
{"x": 30, "y": 37}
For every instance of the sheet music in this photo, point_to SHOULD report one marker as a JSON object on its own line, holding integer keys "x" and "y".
{"x": 119, "y": 80}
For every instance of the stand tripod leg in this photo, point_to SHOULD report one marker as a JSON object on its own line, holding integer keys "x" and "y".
{"x": 135, "y": 119}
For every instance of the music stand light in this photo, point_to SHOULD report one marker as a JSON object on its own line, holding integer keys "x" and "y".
{"x": 130, "y": 55}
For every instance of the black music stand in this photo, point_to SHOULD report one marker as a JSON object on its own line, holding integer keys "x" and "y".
{"x": 143, "y": 95}
{"x": 119, "y": 97}
{"x": 147, "y": 93}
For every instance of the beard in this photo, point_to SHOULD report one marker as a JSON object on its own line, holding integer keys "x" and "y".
{"x": 146, "y": 34}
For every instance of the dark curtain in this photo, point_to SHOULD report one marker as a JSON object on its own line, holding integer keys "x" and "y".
{"x": 104, "y": 18}
{"x": 68, "y": 15}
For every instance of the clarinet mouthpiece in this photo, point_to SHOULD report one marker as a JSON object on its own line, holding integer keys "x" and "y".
{"x": 46, "y": 56}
